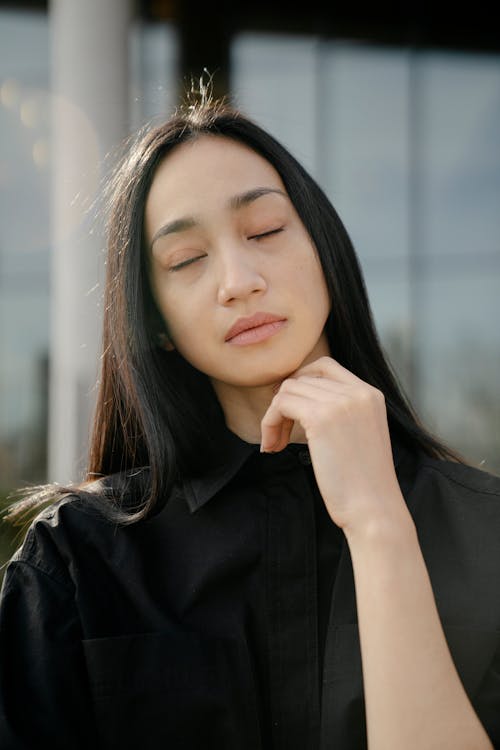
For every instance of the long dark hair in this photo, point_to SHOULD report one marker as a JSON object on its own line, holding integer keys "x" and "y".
{"x": 155, "y": 411}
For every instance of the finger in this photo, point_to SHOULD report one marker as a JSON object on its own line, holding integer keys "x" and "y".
{"x": 283, "y": 411}
{"x": 306, "y": 387}
{"x": 327, "y": 367}
{"x": 285, "y": 434}
{"x": 277, "y": 423}
{"x": 317, "y": 382}
{"x": 276, "y": 435}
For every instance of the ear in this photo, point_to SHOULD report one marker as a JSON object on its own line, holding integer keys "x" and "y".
{"x": 165, "y": 343}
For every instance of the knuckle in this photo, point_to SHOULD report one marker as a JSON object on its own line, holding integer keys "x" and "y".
{"x": 369, "y": 394}
{"x": 373, "y": 400}
{"x": 285, "y": 386}
{"x": 366, "y": 396}
{"x": 281, "y": 393}
{"x": 377, "y": 395}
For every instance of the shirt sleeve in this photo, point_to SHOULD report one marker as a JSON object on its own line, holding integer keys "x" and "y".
{"x": 488, "y": 700}
{"x": 44, "y": 699}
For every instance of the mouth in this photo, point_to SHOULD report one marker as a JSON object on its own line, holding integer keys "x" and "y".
{"x": 254, "y": 329}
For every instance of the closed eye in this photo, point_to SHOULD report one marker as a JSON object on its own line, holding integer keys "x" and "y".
{"x": 184, "y": 263}
{"x": 266, "y": 234}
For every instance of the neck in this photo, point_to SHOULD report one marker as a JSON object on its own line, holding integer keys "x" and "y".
{"x": 244, "y": 409}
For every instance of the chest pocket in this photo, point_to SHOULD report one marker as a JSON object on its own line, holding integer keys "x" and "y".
{"x": 174, "y": 690}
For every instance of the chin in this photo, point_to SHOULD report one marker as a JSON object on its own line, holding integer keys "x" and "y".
{"x": 267, "y": 377}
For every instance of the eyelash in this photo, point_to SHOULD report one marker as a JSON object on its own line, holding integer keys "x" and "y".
{"x": 184, "y": 263}
{"x": 257, "y": 237}
{"x": 266, "y": 234}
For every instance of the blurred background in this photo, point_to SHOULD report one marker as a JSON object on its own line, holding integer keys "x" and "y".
{"x": 395, "y": 112}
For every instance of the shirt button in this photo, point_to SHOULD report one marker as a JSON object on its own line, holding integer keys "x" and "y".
{"x": 304, "y": 457}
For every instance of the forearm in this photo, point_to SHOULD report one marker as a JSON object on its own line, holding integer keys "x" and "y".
{"x": 414, "y": 697}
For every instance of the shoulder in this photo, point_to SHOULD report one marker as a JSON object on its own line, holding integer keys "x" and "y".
{"x": 456, "y": 511}
{"x": 454, "y": 496}
{"x": 50, "y": 537}
{"x": 79, "y": 523}
{"x": 457, "y": 482}
{"x": 435, "y": 487}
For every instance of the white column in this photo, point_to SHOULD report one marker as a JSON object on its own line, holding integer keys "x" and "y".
{"x": 89, "y": 66}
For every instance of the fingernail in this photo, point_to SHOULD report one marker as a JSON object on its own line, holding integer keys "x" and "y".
{"x": 267, "y": 450}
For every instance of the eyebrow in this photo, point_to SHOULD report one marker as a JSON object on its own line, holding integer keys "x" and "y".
{"x": 235, "y": 203}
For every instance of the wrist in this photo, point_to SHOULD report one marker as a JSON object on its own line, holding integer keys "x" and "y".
{"x": 381, "y": 529}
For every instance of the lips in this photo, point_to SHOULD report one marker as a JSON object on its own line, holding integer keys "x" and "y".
{"x": 254, "y": 321}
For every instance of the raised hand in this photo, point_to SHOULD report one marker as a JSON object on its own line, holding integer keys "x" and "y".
{"x": 345, "y": 423}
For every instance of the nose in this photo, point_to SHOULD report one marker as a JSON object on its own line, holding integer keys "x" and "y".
{"x": 238, "y": 277}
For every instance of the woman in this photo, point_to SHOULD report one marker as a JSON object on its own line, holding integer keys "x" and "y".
{"x": 276, "y": 553}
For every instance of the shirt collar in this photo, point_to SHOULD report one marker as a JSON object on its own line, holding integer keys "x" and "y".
{"x": 232, "y": 454}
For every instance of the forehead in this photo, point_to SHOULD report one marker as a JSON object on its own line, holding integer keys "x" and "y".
{"x": 205, "y": 172}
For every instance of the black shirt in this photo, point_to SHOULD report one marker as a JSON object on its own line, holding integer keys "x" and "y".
{"x": 228, "y": 619}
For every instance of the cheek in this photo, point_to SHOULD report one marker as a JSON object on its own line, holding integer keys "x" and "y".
{"x": 186, "y": 323}
{"x": 315, "y": 288}
{"x": 308, "y": 274}
{"x": 167, "y": 309}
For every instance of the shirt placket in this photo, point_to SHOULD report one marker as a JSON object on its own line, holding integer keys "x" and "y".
{"x": 343, "y": 723}
{"x": 291, "y": 597}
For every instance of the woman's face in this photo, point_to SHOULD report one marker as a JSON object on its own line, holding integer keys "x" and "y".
{"x": 226, "y": 244}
